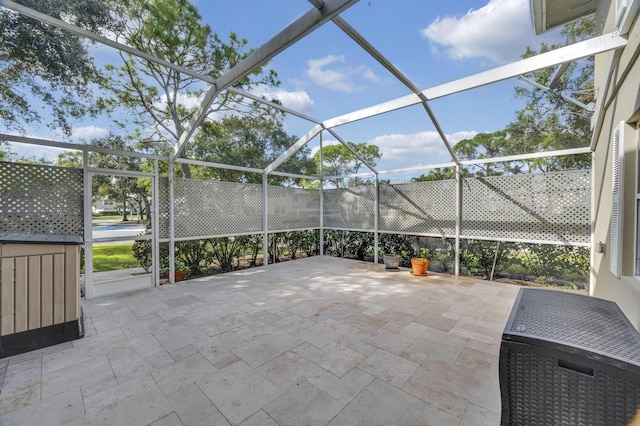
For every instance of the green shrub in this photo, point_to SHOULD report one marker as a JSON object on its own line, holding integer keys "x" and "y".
{"x": 225, "y": 251}
{"x": 142, "y": 251}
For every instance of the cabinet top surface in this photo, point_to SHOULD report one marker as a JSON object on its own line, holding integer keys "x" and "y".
{"x": 20, "y": 238}
{"x": 575, "y": 320}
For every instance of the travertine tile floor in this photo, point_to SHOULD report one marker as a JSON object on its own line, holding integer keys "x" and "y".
{"x": 311, "y": 342}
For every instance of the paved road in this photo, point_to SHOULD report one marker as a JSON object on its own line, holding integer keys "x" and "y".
{"x": 103, "y": 229}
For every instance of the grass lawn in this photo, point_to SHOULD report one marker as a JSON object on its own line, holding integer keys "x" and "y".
{"x": 110, "y": 257}
{"x": 117, "y": 216}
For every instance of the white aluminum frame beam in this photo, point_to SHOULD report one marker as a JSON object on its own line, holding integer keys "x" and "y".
{"x": 517, "y": 157}
{"x": 595, "y": 45}
{"x": 293, "y": 148}
{"x": 382, "y": 60}
{"x": 75, "y": 146}
{"x": 302, "y": 26}
{"x": 295, "y": 175}
{"x": 562, "y": 94}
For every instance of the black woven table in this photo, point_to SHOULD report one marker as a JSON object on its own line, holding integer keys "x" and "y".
{"x": 568, "y": 359}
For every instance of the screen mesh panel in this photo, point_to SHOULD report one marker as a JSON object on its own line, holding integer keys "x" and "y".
{"x": 204, "y": 208}
{"x": 421, "y": 207}
{"x": 350, "y": 208}
{"x": 551, "y": 207}
{"x": 292, "y": 208}
{"x": 539, "y": 207}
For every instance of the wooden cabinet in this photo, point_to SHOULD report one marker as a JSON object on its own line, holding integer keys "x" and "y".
{"x": 39, "y": 295}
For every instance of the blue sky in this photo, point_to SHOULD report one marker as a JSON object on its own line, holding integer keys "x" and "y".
{"x": 326, "y": 74}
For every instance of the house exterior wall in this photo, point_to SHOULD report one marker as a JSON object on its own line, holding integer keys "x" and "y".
{"x": 622, "y": 104}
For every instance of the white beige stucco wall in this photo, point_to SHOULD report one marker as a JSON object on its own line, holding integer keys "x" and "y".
{"x": 622, "y": 104}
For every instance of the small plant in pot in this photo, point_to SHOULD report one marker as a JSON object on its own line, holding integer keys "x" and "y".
{"x": 180, "y": 273}
{"x": 419, "y": 265}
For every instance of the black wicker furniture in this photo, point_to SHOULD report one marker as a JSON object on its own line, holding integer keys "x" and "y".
{"x": 568, "y": 359}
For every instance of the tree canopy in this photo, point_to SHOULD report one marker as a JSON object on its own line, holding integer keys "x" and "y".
{"x": 247, "y": 141}
{"x": 338, "y": 160}
{"x": 49, "y": 65}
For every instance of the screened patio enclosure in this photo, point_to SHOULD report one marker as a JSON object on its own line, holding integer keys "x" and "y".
{"x": 542, "y": 208}
{"x": 552, "y": 208}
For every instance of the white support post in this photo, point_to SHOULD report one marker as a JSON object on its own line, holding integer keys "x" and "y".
{"x": 321, "y": 201}
{"x": 458, "y": 216}
{"x": 376, "y": 219}
{"x": 89, "y": 291}
{"x": 172, "y": 226}
{"x": 265, "y": 221}
{"x": 155, "y": 223}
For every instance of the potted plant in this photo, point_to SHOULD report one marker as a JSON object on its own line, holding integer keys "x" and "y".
{"x": 181, "y": 271}
{"x": 391, "y": 261}
{"x": 419, "y": 265}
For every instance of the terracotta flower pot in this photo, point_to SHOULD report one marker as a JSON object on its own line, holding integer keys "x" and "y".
{"x": 419, "y": 266}
{"x": 180, "y": 276}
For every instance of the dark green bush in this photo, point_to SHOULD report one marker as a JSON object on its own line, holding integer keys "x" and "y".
{"x": 142, "y": 251}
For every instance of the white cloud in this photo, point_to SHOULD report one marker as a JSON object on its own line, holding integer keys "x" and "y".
{"x": 331, "y": 72}
{"x": 401, "y": 150}
{"x": 500, "y": 31}
{"x": 89, "y": 132}
{"x": 298, "y": 100}
{"x": 416, "y": 147}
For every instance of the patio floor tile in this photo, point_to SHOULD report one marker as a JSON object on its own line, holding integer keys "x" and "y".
{"x": 319, "y": 341}
{"x": 238, "y": 391}
{"x": 303, "y": 401}
{"x": 381, "y": 404}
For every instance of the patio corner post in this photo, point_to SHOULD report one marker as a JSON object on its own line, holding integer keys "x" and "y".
{"x": 458, "y": 216}
{"x": 155, "y": 224}
{"x": 88, "y": 227}
{"x": 376, "y": 219}
{"x": 265, "y": 221}
{"x": 172, "y": 223}
{"x": 321, "y": 200}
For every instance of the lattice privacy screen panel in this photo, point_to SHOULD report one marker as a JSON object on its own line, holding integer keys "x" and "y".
{"x": 207, "y": 208}
{"x": 422, "y": 207}
{"x": 41, "y": 199}
{"x": 163, "y": 207}
{"x": 350, "y": 208}
{"x": 549, "y": 207}
{"x": 292, "y": 208}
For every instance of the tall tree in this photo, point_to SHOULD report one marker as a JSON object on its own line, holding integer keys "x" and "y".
{"x": 485, "y": 145}
{"x": 49, "y": 65}
{"x": 122, "y": 188}
{"x": 70, "y": 159}
{"x": 250, "y": 142}
{"x": 436, "y": 174}
{"x": 5, "y": 152}
{"x": 550, "y": 121}
{"x": 338, "y": 160}
{"x": 164, "y": 100}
